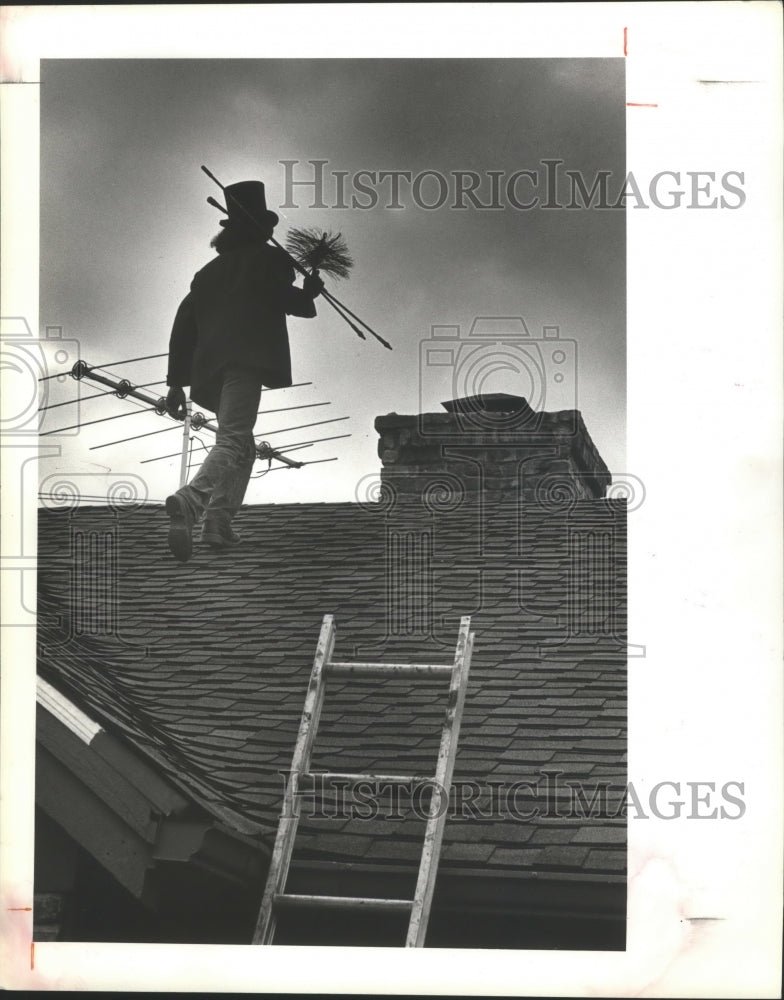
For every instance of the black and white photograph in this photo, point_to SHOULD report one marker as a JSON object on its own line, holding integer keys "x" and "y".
{"x": 408, "y": 616}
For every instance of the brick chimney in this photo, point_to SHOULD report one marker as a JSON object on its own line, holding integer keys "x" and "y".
{"x": 494, "y": 444}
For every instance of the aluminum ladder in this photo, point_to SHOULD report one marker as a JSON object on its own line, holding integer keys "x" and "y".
{"x": 275, "y": 897}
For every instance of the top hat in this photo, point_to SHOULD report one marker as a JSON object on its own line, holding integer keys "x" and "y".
{"x": 247, "y": 201}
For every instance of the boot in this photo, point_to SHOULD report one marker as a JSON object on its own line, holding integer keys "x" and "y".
{"x": 217, "y": 532}
{"x": 180, "y": 527}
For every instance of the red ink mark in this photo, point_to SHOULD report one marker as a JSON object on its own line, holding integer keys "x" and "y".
{"x": 32, "y": 955}
{"x": 625, "y": 40}
{"x": 15, "y": 909}
{"x": 634, "y": 104}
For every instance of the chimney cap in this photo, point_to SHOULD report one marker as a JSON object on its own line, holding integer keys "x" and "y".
{"x": 494, "y": 402}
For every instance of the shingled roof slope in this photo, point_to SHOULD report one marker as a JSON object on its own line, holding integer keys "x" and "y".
{"x": 207, "y": 676}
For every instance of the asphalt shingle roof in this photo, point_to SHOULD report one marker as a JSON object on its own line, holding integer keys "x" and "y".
{"x": 203, "y": 667}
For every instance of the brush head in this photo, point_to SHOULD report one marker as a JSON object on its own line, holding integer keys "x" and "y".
{"x": 327, "y": 252}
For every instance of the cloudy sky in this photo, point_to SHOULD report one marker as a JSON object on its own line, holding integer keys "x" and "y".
{"x": 125, "y": 224}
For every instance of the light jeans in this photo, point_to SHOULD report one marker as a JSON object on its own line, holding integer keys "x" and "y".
{"x": 219, "y": 485}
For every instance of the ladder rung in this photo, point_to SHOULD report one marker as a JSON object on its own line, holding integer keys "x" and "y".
{"x": 286, "y": 900}
{"x": 385, "y": 779}
{"x": 388, "y": 670}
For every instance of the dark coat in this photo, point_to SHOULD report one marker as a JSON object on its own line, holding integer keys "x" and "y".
{"x": 235, "y": 313}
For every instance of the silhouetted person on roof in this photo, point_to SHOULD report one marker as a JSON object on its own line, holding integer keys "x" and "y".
{"x": 228, "y": 340}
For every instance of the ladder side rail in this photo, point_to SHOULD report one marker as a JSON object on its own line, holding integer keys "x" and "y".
{"x": 439, "y": 803}
{"x": 292, "y": 802}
